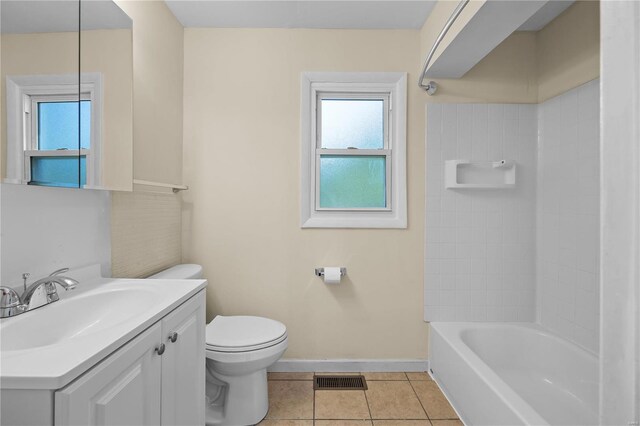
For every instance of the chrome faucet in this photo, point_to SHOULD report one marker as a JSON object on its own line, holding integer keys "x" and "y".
{"x": 39, "y": 293}
{"x": 10, "y": 303}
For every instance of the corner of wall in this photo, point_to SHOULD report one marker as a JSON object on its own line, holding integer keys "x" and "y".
{"x": 146, "y": 226}
{"x": 158, "y": 75}
{"x": 568, "y": 50}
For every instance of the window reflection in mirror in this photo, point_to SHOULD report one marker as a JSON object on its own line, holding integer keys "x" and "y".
{"x": 40, "y": 92}
{"x": 67, "y": 108}
{"x": 56, "y": 135}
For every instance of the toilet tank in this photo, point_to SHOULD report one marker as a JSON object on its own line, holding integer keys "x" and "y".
{"x": 179, "y": 272}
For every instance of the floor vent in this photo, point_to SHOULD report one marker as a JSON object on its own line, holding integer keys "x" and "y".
{"x": 339, "y": 383}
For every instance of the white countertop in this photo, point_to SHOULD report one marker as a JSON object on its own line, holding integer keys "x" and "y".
{"x": 50, "y": 346}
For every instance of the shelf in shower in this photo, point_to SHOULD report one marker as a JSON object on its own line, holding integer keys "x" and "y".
{"x": 461, "y": 174}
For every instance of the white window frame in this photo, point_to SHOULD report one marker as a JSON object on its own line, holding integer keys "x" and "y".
{"x": 385, "y": 151}
{"x": 23, "y": 92}
{"x": 336, "y": 85}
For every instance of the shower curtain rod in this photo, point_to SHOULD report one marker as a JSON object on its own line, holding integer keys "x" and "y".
{"x": 431, "y": 86}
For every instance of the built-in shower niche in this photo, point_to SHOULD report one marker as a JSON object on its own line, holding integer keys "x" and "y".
{"x": 480, "y": 174}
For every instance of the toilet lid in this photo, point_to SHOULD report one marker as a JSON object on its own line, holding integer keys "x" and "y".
{"x": 243, "y": 333}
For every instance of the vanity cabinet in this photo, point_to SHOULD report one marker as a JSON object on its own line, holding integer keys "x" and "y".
{"x": 183, "y": 364}
{"x": 157, "y": 378}
{"x": 123, "y": 389}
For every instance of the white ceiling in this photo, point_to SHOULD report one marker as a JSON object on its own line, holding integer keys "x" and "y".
{"x": 50, "y": 16}
{"x": 359, "y": 14}
{"x": 546, "y": 14}
{"x": 19, "y": 16}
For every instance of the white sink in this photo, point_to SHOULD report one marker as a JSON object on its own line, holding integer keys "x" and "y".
{"x": 89, "y": 312}
{"x": 50, "y": 346}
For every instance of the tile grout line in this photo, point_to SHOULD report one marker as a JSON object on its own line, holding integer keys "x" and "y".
{"x": 368, "y": 406}
{"x": 420, "y": 401}
{"x": 293, "y": 419}
{"x": 371, "y": 419}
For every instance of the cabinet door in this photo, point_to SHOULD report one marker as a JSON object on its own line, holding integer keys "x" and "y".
{"x": 124, "y": 389}
{"x": 183, "y": 364}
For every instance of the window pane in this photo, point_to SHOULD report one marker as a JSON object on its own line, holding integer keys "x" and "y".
{"x": 57, "y": 171}
{"x": 352, "y": 181}
{"x": 57, "y": 125}
{"x": 85, "y": 124}
{"x": 83, "y": 170}
{"x": 357, "y": 123}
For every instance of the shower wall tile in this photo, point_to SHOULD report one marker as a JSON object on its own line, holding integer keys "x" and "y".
{"x": 568, "y": 215}
{"x": 480, "y": 244}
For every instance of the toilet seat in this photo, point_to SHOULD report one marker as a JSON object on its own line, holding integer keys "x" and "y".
{"x": 243, "y": 333}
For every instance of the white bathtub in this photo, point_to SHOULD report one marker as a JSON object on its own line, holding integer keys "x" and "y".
{"x": 514, "y": 374}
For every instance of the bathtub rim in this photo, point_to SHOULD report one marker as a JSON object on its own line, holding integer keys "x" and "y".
{"x": 451, "y": 334}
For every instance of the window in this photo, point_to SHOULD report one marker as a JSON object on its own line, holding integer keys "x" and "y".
{"x": 353, "y": 150}
{"x": 53, "y": 139}
{"x": 51, "y": 157}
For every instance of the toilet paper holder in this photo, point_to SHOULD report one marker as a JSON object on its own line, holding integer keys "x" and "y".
{"x": 320, "y": 272}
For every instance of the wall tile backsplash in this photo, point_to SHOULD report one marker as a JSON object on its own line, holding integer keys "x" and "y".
{"x": 145, "y": 233}
{"x": 568, "y": 215}
{"x": 480, "y": 243}
{"x": 523, "y": 254}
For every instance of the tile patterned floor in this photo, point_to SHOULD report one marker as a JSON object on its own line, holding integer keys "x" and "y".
{"x": 392, "y": 399}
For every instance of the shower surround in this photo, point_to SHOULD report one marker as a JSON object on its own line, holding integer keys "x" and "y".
{"x": 527, "y": 254}
{"x": 568, "y": 205}
{"x": 524, "y": 254}
{"x": 480, "y": 243}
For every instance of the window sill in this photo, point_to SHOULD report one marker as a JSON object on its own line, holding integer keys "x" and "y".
{"x": 377, "y": 220}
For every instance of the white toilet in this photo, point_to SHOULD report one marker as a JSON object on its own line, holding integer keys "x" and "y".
{"x": 239, "y": 349}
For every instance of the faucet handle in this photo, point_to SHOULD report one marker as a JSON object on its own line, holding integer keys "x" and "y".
{"x": 59, "y": 271}
{"x": 10, "y": 303}
{"x": 9, "y": 298}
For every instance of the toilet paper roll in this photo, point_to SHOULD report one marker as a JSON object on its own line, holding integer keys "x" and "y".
{"x": 332, "y": 275}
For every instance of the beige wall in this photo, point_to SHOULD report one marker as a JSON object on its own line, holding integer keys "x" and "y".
{"x": 241, "y": 160}
{"x": 506, "y": 75}
{"x": 568, "y": 50}
{"x": 242, "y": 210}
{"x": 157, "y": 94}
{"x": 146, "y": 227}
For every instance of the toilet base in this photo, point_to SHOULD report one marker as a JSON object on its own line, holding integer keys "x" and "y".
{"x": 236, "y": 400}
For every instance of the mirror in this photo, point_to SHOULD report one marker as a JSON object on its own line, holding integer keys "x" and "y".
{"x": 106, "y": 111}
{"x": 67, "y": 83}
{"x": 40, "y": 91}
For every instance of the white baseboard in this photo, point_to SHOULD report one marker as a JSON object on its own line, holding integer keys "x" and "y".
{"x": 349, "y": 365}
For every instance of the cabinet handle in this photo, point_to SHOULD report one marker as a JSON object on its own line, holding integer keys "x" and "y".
{"x": 173, "y": 337}
{"x": 160, "y": 349}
